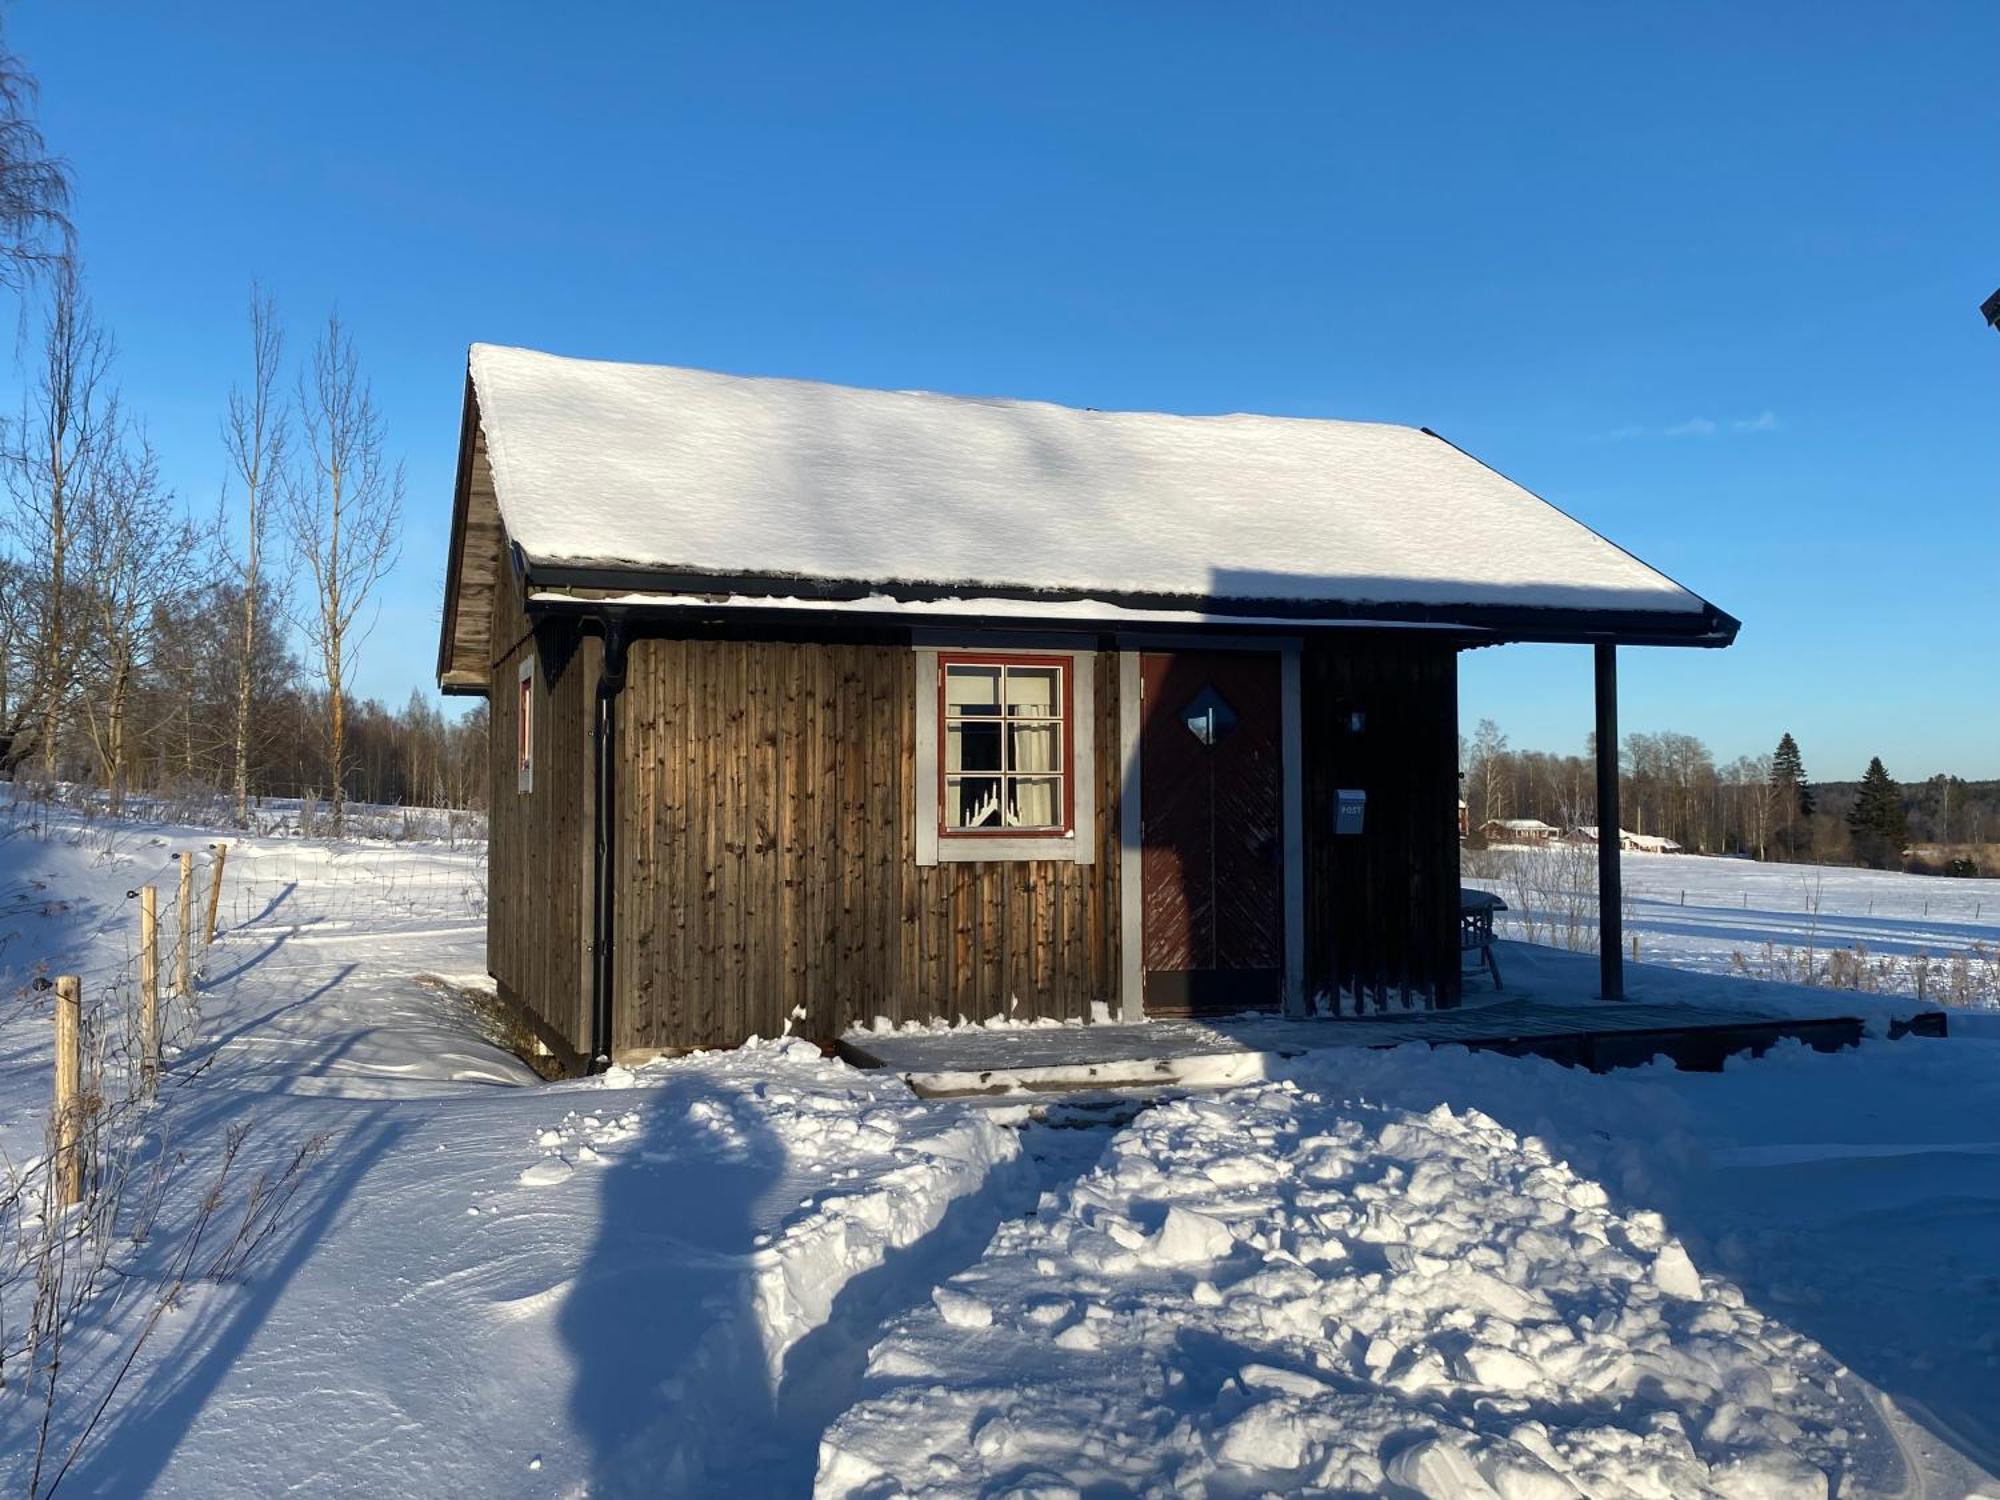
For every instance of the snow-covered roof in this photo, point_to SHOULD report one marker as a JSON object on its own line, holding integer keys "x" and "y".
{"x": 1640, "y": 841}
{"x": 1650, "y": 841}
{"x": 622, "y": 475}
{"x": 1520, "y": 825}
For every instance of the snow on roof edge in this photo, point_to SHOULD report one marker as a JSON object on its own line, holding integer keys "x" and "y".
{"x": 1062, "y": 610}
{"x": 558, "y": 401}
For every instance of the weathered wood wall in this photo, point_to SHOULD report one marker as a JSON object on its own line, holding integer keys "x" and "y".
{"x": 767, "y": 857}
{"x": 538, "y": 852}
{"x": 766, "y": 844}
{"x": 474, "y": 607}
{"x": 1382, "y": 906}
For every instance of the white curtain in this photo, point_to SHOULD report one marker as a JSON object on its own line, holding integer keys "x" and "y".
{"x": 1036, "y": 803}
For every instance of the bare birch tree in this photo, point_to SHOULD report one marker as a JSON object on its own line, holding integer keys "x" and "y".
{"x": 254, "y": 433}
{"x": 35, "y": 233}
{"x": 18, "y": 605}
{"x": 65, "y": 426}
{"x": 343, "y": 507}
{"x": 136, "y": 552}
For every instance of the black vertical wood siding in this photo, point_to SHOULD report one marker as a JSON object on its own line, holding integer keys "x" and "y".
{"x": 1382, "y": 906}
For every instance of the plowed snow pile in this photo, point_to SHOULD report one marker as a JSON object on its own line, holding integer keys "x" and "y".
{"x": 1284, "y": 1290}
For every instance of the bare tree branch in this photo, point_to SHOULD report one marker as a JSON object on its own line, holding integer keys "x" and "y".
{"x": 66, "y": 424}
{"x": 35, "y": 232}
{"x": 343, "y": 515}
{"x": 136, "y": 552}
{"x": 255, "y": 435}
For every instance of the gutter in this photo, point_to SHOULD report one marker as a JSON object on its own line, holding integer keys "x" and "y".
{"x": 603, "y": 879}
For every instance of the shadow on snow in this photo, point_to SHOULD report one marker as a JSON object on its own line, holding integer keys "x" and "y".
{"x": 673, "y": 1392}
{"x": 155, "y": 1412}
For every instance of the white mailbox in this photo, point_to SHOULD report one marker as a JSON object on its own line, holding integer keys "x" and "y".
{"x": 1350, "y": 811}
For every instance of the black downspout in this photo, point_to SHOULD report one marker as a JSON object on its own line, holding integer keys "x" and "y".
{"x": 604, "y": 884}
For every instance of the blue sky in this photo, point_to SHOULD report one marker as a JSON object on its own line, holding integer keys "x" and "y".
{"x": 1705, "y": 275}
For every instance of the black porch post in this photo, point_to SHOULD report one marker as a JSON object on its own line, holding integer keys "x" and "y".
{"x": 1610, "y": 893}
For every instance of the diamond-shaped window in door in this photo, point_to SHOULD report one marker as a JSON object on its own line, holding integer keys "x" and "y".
{"x": 1208, "y": 718}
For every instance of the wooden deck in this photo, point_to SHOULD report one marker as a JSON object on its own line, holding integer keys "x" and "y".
{"x": 1596, "y": 1035}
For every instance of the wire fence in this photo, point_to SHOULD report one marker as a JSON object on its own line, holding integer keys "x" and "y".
{"x": 162, "y": 1196}
{"x": 1803, "y": 894}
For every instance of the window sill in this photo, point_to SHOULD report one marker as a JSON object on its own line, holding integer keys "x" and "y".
{"x": 998, "y": 849}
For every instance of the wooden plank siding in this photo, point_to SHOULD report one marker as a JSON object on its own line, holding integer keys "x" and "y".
{"x": 1382, "y": 906}
{"x": 767, "y": 868}
{"x": 538, "y": 852}
{"x": 477, "y": 614}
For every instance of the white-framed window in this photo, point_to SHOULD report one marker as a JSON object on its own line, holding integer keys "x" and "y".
{"x": 524, "y": 730}
{"x": 1004, "y": 754}
{"x": 1005, "y": 723}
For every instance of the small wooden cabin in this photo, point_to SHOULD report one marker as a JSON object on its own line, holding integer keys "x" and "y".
{"x": 1630, "y": 842}
{"x": 813, "y": 705}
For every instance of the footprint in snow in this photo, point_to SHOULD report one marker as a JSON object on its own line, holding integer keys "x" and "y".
{"x": 547, "y": 1173}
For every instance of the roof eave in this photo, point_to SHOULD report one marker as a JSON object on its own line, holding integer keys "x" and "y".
{"x": 1707, "y": 627}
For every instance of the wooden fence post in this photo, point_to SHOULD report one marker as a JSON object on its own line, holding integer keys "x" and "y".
{"x": 186, "y": 972}
{"x": 69, "y": 1090}
{"x": 214, "y": 892}
{"x": 149, "y": 987}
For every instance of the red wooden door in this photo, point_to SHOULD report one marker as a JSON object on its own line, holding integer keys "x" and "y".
{"x": 1211, "y": 846}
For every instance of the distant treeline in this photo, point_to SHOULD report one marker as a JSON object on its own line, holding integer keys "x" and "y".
{"x": 152, "y": 641}
{"x": 1765, "y": 806}
{"x": 178, "y": 722}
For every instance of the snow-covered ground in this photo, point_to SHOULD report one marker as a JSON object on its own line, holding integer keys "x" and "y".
{"x": 1698, "y": 912}
{"x": 1462, "y": 1274}
{"x": 764, "y": 1273}
{"x": 487, "y": 1285}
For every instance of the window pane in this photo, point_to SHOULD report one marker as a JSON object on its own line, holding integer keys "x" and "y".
{"x": 972, "y": 746}
{"x": 1032, "y": 692}
{"x": 972, "y": 802}
{"x": 1037, "y": 747}
{"x": 972, "y": 690}
{"x": 1034, "y": 802}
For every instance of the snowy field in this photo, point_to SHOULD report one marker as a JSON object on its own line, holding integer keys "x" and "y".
{"x": 1723, "y": 916}
{"x": 764, "y": 1273}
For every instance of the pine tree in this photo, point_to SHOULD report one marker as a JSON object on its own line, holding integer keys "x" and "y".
{"x": 1880, "y": 826}
{"x": 1788, "y": 772}
{"x": 1791, "y": 798}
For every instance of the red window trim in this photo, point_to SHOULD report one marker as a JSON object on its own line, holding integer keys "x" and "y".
{"x": 1066, "y": 673}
